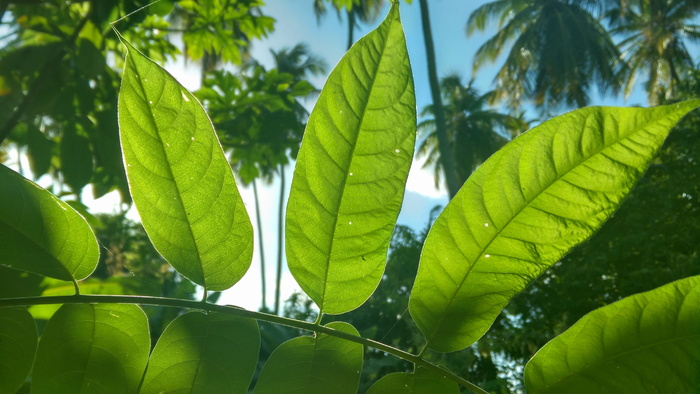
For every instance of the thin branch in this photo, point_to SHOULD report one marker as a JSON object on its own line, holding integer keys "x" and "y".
{"x": 236, "y": 311}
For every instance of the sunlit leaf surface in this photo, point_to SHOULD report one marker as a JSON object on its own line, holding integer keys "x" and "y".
{"x": 204, "y": 353}
{"x": 42, "y": 234}
{"x": 18, "y": 341}
{"x": 179, "y": 178}
{"x": 421, "y": 382}
{"x": 646, "y": 343}
{"x": 524, "y": 208}
{"x": 351, "y": 171}
{"x": 308, "y": 365}
{"x": 92, "y": 349}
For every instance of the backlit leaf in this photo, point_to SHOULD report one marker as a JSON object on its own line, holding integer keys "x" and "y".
{"x": 40, "y": 233}
{"x": 92, "y": 349}
{"x": 524, "y": 208}
{"x": 179, "y": 178}
{"x": 351, "y": 171}
{"x": 204, "y": 353}
{"x": 646, "y": 343}
{"x": 18, "y": 341}
{"x": 308, "y": 365}
{"x": 421, "y": 382}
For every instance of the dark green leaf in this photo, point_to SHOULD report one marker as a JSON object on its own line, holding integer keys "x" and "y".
{"x": 42, "y": 234}
{"x": 18, "y": 341}
{"x": 92, "y": 349}
{"x": 308, "y": 365}
{"x": 421, "y": 382}
{"x": 76, "y": 158}
{"x": 204, "y": 353}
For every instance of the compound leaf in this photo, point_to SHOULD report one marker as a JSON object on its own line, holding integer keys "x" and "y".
{"x": 524, "y": 208}
{"x": 89, "y": 348}
{"x": 309, "y": 365}
{"x": 351, "y": 171}
{"x": 18, "y": 341}
{"x": 646, "y": 343}
{"x": 40, "y": 233}
{"x": 204, "y": 353}
{"x": 179, "y": 178}
{"x": 420, "y": 382}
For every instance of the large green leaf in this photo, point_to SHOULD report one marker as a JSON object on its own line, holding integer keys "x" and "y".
{"x": 420, "y": 382}
{"x": 179, "y": 178}
{"x": 18, "y": 341}
{"x": 646, "y": 343}
{"x": 351, "y": 171}
{"x": 309, "y": 365}
{"x": 204, "y": 353}
{"x": 524, "y": 208}
{"x": 40, "y": 233}
{"x": 92, "y": 349}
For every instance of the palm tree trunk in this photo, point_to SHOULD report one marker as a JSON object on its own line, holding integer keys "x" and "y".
{"x": 351, "y": 28}
{"x": 260, "y": 241}
{"x": 280, "y": 243}
{"x": 446, "y": 154}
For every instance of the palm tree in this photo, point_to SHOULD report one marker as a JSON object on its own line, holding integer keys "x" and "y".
{"x": 558, "y": 50}
{"x": 474, "y": 131}
{"x": 446, "y": 156}
{"x": 365, "y": 11}
{"x": 654, "y": 32}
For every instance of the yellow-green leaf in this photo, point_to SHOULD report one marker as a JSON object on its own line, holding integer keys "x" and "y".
{"x": 646, "y": 343}
{"x": 179, "y": 178}
{"x": 351, "y": 171}
{"x": 524, "y": 208}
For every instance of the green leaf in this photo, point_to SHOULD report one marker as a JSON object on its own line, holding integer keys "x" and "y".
{"x": 76, "y": 159}
{"x": 421, "y": 382}
{"x": 18, "y": 340}
{"x": 524, "y": 208}
{"x": 92, "y": 348}
{"x": 308, "y": 365}
{"x": 204, "y": 353}
{"x": 180, "y": 181}
{"x": 646, "y": 343}
{"x": 351, "y": 172}
{"x": 40, "y": 233}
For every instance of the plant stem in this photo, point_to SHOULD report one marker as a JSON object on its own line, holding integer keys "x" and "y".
{"x": 236, "y": 311}
{"x": 280, "y": 243}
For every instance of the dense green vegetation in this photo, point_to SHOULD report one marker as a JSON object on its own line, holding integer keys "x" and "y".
{"x": 458, "y": 304}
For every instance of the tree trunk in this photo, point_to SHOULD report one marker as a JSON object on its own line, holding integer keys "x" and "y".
{"x": 280, "y": 243}
{"x": 446, "y": 155}
{"x": 351, "y": 28}
{"x": 260, "y": 241}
